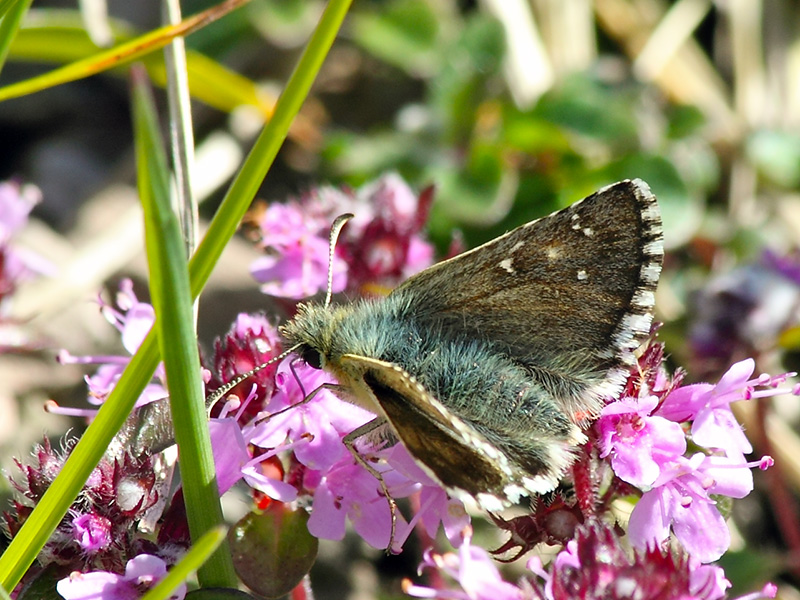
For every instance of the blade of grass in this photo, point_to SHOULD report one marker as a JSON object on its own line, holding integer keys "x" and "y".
{"x": 169, "y": 291}
{"x": 22, "y": 550}
{"x": 191, "y": 561}
{"x": 5, "y": 6}
{"x": 11, "y": 15}
{"x": 119, "y": 55}
{"x": 181, "y": 134}
{"x": 57, "y": 36}
{"x": 49, "y": 35}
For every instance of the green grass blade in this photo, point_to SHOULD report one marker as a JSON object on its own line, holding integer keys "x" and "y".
{"x": 23, "y": 549}
{"x": 171, "y": 297}
{"x": 5, "y": 6}
{"x": 58, "y": 36}
{"x": 121, "y": 54}
{"x": 11, "y": 15}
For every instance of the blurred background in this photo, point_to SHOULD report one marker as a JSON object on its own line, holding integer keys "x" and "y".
{"x": 511, "y": 109}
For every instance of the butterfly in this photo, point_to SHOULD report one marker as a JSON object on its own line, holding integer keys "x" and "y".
{"x": 487, "y": 365}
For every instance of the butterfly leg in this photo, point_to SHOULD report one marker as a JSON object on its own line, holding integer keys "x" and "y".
{"x": 349, "y": 442}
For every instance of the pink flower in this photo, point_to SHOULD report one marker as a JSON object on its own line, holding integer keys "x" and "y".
{"x": 638, "y": 443}
{"x": 296, "y": 263}
{"x": 141, "y": 574}
{"x": 708, "y": 406}
{"x": 133, "y": 319}
{"x": 595, "y": 565}
{"x": 380, "y": 247}
{"x": 473, "y": 569}
{"x": 16, "y": 203}
{"x": 680, "y": 499}
{"x": 435, "y": 506}
{"x": 320, "y": 423}
{"x": 348, "y": 490}
{"x": 92, "y": 532}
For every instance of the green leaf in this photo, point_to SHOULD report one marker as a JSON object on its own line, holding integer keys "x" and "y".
{"x": 58, "y": 36}
{"x": 273, "y": 551}
{"x": 104, "y": 60}
{"x": 685, "y": 121}
{"x": 42, "y": 586}
{"x": 218, "y": 594}
{"x": 587, "y": 108}
{"x": 11, "y": 13}
{"x": 530, "y": 134}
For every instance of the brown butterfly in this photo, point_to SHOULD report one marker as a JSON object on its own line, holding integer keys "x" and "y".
{"x": 486, "y": 365}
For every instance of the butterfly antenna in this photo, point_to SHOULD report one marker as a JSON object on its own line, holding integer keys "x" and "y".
{"x": 212, "y": 399}
{"x": 336, "y": 228}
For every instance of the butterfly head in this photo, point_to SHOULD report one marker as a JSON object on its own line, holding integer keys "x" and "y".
{"x": 311, "y": 333}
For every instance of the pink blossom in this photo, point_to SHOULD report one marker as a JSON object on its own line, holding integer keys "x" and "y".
{"x": 473, "y": 569}
{"x": 435, "y": 506}
{"x": 92, "y": 532}
{"x": 680, "y": 500}
{"x": 133, "y": 319}
{"x": 321, "y": 422}
{"x": 638, "y": 443}
{"x": 380, "y": 246}
{"x": 348, "y": 490}
{"x": 296, "y": 262}
{"x": 141, "y": 574}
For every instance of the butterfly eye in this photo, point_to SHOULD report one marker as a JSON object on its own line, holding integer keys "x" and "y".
{"x": 312, "y": 357}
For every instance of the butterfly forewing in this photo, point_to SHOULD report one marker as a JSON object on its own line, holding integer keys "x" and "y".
{"x": 569, "y": 295}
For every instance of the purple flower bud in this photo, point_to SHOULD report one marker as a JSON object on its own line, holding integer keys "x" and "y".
{"x": 92, "y": 532}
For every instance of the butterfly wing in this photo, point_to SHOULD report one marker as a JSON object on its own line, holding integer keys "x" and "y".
{"x": 452, "y": 451}
{"x": 570, "y": 296}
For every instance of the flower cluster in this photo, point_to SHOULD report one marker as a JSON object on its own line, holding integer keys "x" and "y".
{"x": 339, "y": 486}
{"x": 16, "y": 264}
{"x": 646, "y": 444}
{"x": 101, "y": 530}
{"x": 141, "y": 573}
{"x": 380, "y": 246}
{"x": 133, "y": 319}
{"x": 643, "y": 438}
{"x": 593, "y": 565}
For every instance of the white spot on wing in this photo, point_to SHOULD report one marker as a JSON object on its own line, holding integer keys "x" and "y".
{"x": 582, "y": 275}
{"x": 505, "y": 264}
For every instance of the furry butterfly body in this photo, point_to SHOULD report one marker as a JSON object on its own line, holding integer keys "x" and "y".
{"x": 486, "y": 365}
